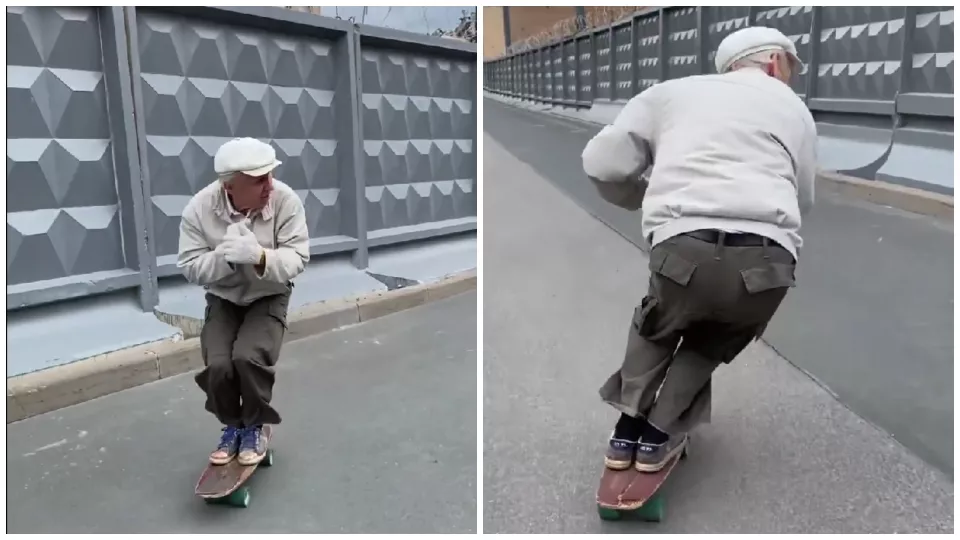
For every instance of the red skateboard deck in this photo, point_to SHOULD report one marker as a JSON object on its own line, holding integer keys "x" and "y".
{"x": 633, "y": 491}
{"x": 222, "y": 483}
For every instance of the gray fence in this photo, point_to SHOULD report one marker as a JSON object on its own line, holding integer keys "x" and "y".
{"x": 879, "y": 80}
{"x": 114, "y": 115}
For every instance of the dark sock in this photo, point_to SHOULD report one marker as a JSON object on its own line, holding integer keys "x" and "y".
{"x": 629, "y": 428}
{"x": 652, "y": 435}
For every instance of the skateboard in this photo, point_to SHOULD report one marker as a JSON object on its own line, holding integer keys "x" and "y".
{"x": 223, "y": 484}
{"x": 631, "y": 492}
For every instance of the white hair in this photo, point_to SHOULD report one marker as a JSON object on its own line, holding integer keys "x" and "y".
{"x": 758, "y": 59}
{"x": 227, "y": 178}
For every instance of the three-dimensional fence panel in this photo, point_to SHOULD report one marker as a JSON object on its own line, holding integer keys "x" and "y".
{"x": 115, "y": 114}
{"x": 879, "y": 80}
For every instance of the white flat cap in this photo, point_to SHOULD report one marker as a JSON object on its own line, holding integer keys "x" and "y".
{"x": 753, "y": 39}
{"x": 245, "y": 155}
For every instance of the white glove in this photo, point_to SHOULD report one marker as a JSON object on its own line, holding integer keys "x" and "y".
{"x": 237, "y": 230}
{"x": 241, "y": 249}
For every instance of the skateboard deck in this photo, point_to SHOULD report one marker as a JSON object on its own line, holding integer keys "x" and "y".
{"x": 222, "y": 483}
{"x": 633, "y": 492}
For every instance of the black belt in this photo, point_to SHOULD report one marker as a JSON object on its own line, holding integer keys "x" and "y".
{"x": 729, "y": 239}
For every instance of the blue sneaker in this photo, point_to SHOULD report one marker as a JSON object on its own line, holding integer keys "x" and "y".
{"x": 620, "y": 454}
{"x": 654, "y": 457}
{"x": 228, "y": 448}
{"x": 253, "y": 446}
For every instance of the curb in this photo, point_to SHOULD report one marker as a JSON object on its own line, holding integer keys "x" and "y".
{"x": 906, "y": 198}
{"x": 914, "y": 200}
{"x": 43, "y": 391}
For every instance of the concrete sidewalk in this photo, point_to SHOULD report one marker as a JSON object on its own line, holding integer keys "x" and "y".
{"x": 871, "y": 316}
{"x": 378, "y": 436}
{"x": 781, "y": 455}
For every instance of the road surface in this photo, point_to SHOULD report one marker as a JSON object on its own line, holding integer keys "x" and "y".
{"x": 780, "y": 456}
{"x": 378, "y": 436}
{"x": 872, "y": 314}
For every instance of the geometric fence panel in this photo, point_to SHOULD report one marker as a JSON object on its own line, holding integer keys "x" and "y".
{"x": 419, "y": 124}
{"x": 878, "y": 79}
{"x": 115, "y": 114}
{"x": 203, "y": 84}
{"x": 62, "y": 210}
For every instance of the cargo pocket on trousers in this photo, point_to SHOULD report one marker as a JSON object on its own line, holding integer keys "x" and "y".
{"x": 278, "y": 310}
{"x": 769, "y": 276}
{"x": 672, "y": 266}
{"x": 645, "y": 317}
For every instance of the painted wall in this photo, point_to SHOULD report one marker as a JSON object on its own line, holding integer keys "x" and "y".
{"x": 115, "y": 115}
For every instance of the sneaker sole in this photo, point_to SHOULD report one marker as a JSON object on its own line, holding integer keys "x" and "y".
{"x": 256, "y": 461}
{"x": 616, "y": 465}
{"x": 224, "y": 461}
{"x": 657, "y": 467}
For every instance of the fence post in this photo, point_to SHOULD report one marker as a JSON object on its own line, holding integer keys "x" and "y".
{"x": 148, "y": 248}
{"x": 613, "y": 64}
{"x": 594, "y": 64}
{"x": 702, "y": 52}
{"x": 576, "y": 66}
{"x": 662, "y": 44}
{"x": 563, "y": 70}
{"x": 634, "y": 55}
{"x": 906, "y": 57}
{"x": 813, "y": 63}
{"x": 541, "y": 84}
{"x": 351, "y": 53}
{"x": 132, "y": 198}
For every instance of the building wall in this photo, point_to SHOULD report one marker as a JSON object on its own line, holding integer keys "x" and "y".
{"x": 527, "y": 21}
{"x": 494, "y": 39}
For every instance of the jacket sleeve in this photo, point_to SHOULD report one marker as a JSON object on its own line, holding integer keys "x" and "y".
{"x": 807, "y": 169}
{"x": 621, "y": 152}
{"x": 628, "y": 194}
{"x": 293, "y": 243}
{"x": 198, "y": 261}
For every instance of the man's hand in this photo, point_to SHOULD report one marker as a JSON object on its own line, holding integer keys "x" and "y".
{"x": 243, "y": 249}
{"x": 236, "y": 230}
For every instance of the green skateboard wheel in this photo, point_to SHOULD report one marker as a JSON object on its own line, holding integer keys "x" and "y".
{"x": 240, "y": 498}
{"x": 608, "y": 514}
{"x": 652, "y": 510}
{"x": 268, "y": 459}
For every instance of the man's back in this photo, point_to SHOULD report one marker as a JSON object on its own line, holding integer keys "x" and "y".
{"x": 730, "y": 147}
{"x": 733, "y": 152}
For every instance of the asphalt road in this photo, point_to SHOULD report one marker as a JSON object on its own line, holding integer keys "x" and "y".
{"x": 871, "y": 317}
{"x": 378, "y": 436}
{"x": 780, "y": 456}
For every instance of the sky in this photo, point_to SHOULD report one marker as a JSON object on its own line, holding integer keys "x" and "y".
{"x": 423, "y": 20}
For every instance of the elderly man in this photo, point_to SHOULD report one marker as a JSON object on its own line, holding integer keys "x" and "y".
{"x": 730, "y": 161}
{"x": 243, "y": 238}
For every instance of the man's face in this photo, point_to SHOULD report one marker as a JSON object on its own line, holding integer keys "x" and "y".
{"x": 249, "y": 192}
